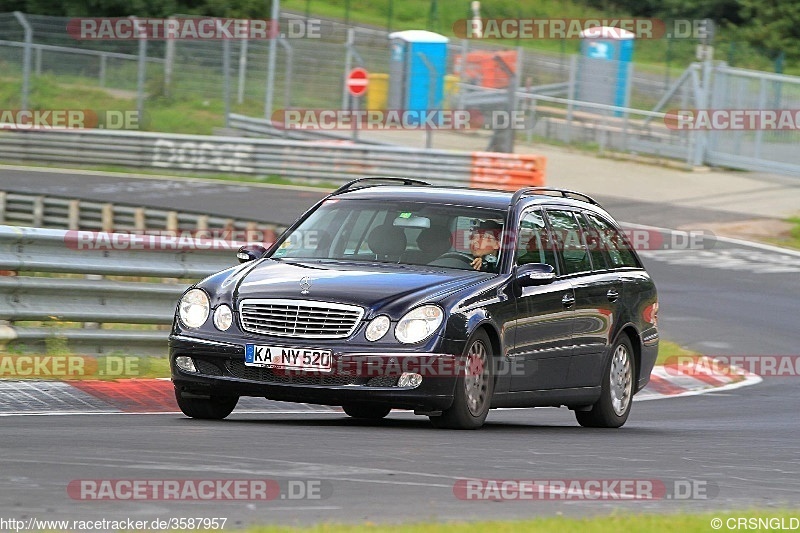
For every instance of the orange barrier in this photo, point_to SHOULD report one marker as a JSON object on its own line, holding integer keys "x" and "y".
{"x": 507, "y": 171}
{"x": 480, "y": 68}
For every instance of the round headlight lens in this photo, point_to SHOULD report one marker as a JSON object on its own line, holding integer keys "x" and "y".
{"x": 193, "y": 308}
{"x": 419, "y": 324}
{"x": 377, "y": 328}
{"x": 223, "y": 317}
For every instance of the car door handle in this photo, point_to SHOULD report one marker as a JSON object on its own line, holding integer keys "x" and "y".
{"x": 613, "y": 295}
{"x": 568, "y": 300}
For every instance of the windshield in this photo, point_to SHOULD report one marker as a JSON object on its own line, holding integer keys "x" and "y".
{"x": 397, "y": 232}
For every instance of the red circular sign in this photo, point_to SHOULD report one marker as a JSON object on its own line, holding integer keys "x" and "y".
{"x": 357, "y": 81}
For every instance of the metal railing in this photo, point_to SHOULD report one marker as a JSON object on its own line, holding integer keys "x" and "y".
{"x": 42, "y": 301}
{"x": 325, "y": 161}
{"x": 56, "y": 212}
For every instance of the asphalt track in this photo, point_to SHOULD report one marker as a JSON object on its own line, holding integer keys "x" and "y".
{"x": 740, "y": 446}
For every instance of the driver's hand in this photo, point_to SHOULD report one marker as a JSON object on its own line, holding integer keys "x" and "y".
{"x": 476, "y": 263}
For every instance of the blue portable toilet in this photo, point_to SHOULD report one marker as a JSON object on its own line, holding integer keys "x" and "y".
{"x": 604, "y": 66}
{"x": 409, "y": 77}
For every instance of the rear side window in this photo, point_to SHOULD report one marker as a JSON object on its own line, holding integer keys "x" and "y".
{"x": 534, "y": 243}
{"x": 616, "y": 246}
{"x": 569, "y": 240}
{"x": 597, "y": 250}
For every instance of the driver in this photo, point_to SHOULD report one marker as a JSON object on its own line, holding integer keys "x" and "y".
{"x": 484, "y": 243}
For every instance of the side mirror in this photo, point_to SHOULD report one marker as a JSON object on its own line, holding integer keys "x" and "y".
{"x": 534, "y": 274}
{"x": 250, "y": 252}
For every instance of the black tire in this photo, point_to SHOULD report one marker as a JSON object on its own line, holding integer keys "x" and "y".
{"x": 473, "y": 393}
{"x": 214, "y": 408}
{"x": 613, "y": 408}
{"x": 368, "y": 412}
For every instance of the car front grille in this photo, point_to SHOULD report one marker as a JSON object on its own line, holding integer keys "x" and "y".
{"x": 299, "y": 318}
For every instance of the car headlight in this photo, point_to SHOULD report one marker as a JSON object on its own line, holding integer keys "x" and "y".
{"x": 377, "y": 328}
{"x": 223, "y": 317}
{"x": 419, "y": 324}
{"x": 193, "y": 308}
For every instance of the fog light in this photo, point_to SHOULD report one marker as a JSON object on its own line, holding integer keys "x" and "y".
{"x": 407, "y": 379}
{"x": 185, "y": 363}
{"x": 223, "y": 317}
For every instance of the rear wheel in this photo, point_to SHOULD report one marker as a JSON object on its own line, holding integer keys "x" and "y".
{"x": 473, "y": 393}
{"x": 369, "y": 412}
{"x": 214, "y": 408}
{"x": 616, "y": 396}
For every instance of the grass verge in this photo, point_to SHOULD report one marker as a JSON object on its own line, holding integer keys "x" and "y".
{"x": 667, "y": 349}
{"x": 792, "y": 239}
{"x": 683, "y": 523}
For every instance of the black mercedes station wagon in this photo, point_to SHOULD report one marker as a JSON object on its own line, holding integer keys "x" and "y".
{"x": 391, "y": 293}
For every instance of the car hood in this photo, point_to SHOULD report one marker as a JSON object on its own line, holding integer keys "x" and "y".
{"x": 379, "y": 287}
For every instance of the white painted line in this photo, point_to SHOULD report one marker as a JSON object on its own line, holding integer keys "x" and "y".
{"x": 741, "y": 242}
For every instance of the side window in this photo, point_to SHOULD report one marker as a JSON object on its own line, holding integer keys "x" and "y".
{"x": 534, "y": 243}
{"x": 617, "y": 247}
{"x": 594, "y": 241}
{"x": 569, "y": 240}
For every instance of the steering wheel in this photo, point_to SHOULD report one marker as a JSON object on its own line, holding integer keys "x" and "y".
{"x": 456, "y": 255}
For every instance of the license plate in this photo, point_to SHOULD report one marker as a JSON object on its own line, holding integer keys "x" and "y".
{"x": 287, "y": 357}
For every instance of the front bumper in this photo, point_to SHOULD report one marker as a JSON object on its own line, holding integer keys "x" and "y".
{"x": 221, "y": 372}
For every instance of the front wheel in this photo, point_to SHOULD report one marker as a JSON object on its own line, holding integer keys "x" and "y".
{"x": 213, "y": 408}
{"x": 616, "y": 396}
{"x": 368, "y": 412}
{"x": 474, "y": 386}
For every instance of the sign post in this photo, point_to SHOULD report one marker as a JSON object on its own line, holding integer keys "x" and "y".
{"x": 356, "y": 83}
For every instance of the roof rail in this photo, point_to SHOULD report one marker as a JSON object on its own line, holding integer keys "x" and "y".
{"x": 351, "y": 186}
{"x": 565, "y": 193}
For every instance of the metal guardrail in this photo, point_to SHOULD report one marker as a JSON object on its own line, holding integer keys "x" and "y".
{"x": 337, "y": 163}
{"x": 45, "y": 211}
{"x": 258, "y": 127}
{"x": 29, "y": 292}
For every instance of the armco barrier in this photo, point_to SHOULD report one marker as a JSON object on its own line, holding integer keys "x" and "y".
{"x": 38, "y": 210}
{"x": 337, "y": 163}
{"x": 58, "y": 305}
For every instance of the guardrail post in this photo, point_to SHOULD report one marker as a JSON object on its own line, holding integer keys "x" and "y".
{"x": 74, "y": 215}
{"x": 139, "y": 218}
{"x": 202, "y": 222}
{"x": 172, "y": 221}
{"x": 38, "y": 211}
{"x": 107, "y": 217}
{"x": 2, "y": 207}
